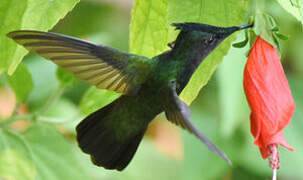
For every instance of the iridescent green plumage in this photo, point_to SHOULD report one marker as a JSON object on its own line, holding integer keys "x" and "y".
{"x": 150, "y": 86}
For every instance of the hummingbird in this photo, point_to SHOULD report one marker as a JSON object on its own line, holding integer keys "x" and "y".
{"x": 149, "y": 86}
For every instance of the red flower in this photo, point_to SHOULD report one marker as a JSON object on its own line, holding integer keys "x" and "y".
{"x": 269, "y": 97}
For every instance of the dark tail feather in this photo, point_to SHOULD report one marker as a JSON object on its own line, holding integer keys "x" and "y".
{"x": 98, "y": 139}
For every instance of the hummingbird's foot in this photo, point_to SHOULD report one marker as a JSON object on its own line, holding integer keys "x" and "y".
{"x": 171, "y": 45}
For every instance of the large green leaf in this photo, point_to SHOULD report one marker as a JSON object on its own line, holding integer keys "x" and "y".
{"x": 30, "y": 14}
{"x": 44, "y": 80}
{"x": 15, "y": 157}
{"x": 231, "y": 93}
{"x": 53, "y": 155}
{"x": 218, "y": 13}
{"x": 295, "y": 8}
{"x": 14, "y": 166}
{"x": 149, "y": 30}
{"x": 65, "y": 77}
{"x": 22, "y": 82}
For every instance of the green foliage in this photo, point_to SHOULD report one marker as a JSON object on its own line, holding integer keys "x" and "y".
{"x": 32, "y": 14}
{"x": 208, "y": 12}
{"x": 155, "y": 16}
{"x": 52, "y": 154}
{"x": 149, "y": 28}
{"x": 65, "y": 77}
{"x": 44, "y": 80}
{"x": 295, "y": 8}
{"x": 15, "y": 157}
{"x": 231, "y": 94}
{"x": 40, "y": 153}
{"x": 15, "y": 166}
{"x": 23, "y": 78}
{"x": 220, "y": 112}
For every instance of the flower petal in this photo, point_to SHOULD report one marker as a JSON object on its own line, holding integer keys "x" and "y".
{"x": 268, "y": 95}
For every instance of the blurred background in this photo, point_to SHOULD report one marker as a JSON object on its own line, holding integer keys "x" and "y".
{"x": 167, "y": 152}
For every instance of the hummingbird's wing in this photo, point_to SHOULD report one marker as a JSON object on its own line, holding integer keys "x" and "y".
{"x": 102, "y": 66}
{"x": 179, "y": 113}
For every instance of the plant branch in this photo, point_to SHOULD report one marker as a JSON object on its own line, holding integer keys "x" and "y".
{"x": 51, "y": 100}
{"x": 14, "y": 118}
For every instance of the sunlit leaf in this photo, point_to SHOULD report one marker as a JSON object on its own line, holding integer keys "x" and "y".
{"x": 31, "y": 14}
{"x": 150, "y": 32}
{"x": 294, "y": 9}
{"x": 149, "y": 28}
{"x": 218, "y": 13}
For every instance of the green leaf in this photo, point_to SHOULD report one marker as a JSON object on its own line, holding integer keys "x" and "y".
{"x": 95, "y": 99}
{"x": 295, "y": 10}
{"x": 63, "y": 110}
{"x": 15, "y": 157}
{"x": 31, "y": 14}
{"x": 44, "y": 79}
{"x": 14, "y": 166}
{"x": 276, "y": 28}
{"x": 231, "y": 94}
{"x": 164, "y": 167}
{"x": 53, "y": 155}
{"x": 281, "y": 36}
{"x": 65, "y": 77}
{"x": 148, "y": 29}
{"x": 150, "y": 33}
{"x": 219, "y": 13}
{"x": 197, "y": 158}
{"x": 242, "y": 43}
{"x": 271, "y": 23}
{"x": 22, "y": 83}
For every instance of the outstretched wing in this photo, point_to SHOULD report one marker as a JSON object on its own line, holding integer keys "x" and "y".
{"x": 102, "y": 66}
{"x": 178, "y": 112}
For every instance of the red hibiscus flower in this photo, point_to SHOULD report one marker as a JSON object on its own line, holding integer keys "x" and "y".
{"x": 270, "y": 100}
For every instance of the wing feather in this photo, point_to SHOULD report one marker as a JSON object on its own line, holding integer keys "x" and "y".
{"x": 178, "y": 112}
{"x": 102, "y": 66}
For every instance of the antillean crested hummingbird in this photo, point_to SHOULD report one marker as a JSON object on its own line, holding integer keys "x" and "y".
{"x": 148, "y": 86}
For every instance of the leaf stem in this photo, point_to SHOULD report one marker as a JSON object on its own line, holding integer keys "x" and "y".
{"x": 58, "y": 92}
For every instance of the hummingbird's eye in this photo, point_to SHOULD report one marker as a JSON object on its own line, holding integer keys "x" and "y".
{"x": 208, "y": 40}
{"x": 211, "y": 39}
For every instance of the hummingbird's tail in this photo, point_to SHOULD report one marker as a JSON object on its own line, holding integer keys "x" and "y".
{"x": 97, "y": 135}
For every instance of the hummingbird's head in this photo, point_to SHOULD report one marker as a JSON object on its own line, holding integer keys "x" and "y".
{"x": 205, "y": 37}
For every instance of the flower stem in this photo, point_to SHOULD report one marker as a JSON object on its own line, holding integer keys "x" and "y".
{"x": 274, "y": 174}
{"x": 274, "y": 161}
